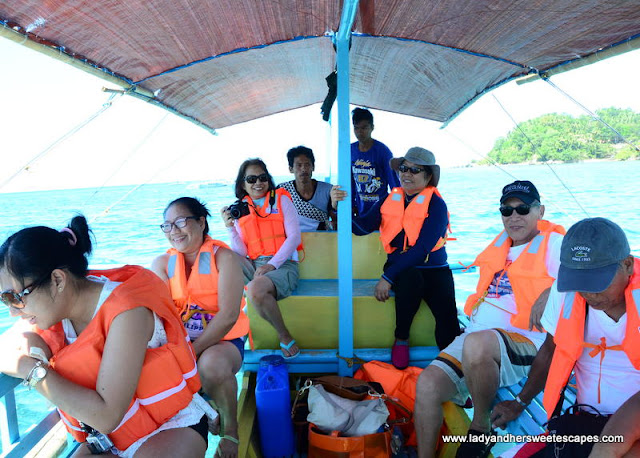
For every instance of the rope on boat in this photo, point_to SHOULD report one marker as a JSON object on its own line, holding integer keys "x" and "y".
{"x": 355, "y": 360}
{"x": 129, "y": 156}
{"x": 496, "y": 165}
{"x": 545, "y": 162}
{"x": 179, "y": 157}
{"x": 479, "y": 154}
{"x": 105, "y": 107}
{"x": 591, "y": 113}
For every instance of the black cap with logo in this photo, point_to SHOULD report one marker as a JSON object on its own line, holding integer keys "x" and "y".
{"x": 523, "y": 190}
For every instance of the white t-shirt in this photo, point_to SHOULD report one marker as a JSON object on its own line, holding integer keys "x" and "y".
{"x": 620, "y": 380}
{"x": 500, "y": 304}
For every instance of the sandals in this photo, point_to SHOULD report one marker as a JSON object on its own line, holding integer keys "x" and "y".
{"x": 287, "y": 347}
{"x": 480, "y": 449}
{"x": 231, "y": 439}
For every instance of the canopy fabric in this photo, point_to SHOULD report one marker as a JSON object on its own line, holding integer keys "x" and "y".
{"x": 222, "y": 62}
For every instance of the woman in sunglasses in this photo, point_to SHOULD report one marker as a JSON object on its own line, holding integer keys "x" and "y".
{"x": 205, "y": 280}
{"x": 266, "y": 236}
{"x": 107, "y": 349}
{"x": 413, "y": 223}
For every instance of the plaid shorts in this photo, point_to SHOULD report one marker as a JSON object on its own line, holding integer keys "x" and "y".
{"x": 516, "y": 355}
{"x": 284, "y": 278}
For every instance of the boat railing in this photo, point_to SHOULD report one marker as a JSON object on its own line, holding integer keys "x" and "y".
{"x": 13, "y": 445}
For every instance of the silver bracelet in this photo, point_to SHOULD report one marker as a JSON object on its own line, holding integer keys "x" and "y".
{"x": 27, "y": 379}
{"x": 521, "y": 402}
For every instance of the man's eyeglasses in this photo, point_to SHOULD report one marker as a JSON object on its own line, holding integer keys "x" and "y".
{"x": 414, "y": 170}
{"x": 11, "y": 298}
{"x": 179, "y": 223}
{"x": 251, "y": 179}
{"x": 522, "y": 209}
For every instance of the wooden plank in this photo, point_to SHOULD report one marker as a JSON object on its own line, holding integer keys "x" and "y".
{"x": 247, "y": 417}
{"x": 34, "y": 437}
{"x": 7, "y": 384}
{"x": 456, "y": 422}
{"x": 9, "y": 431}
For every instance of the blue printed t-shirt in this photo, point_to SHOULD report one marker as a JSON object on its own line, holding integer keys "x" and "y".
{"x": 371, "y": 176}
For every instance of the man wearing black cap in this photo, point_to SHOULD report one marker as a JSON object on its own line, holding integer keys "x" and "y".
{"x": 593, "y": 324}
{"x": 516, "y": 272}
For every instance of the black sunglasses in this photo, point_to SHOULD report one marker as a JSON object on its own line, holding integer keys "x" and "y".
{"x": 414, "y": 170}
{"x": 11, "y": 298}
{"x": 522, "y": 209}
{"x": 251, "y": 179}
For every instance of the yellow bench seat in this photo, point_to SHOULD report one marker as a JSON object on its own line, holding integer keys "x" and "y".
{"x": 311, "y": 315}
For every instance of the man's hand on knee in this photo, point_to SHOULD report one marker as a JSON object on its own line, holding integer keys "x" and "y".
{"x": 505, "y": 412}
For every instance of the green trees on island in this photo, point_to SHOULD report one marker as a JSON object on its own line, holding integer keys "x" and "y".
{"x": 563, "y": 138}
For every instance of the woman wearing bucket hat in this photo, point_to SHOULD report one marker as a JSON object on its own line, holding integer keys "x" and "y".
{"x": 413, "y": 224}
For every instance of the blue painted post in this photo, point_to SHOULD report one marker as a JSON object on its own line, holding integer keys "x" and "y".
{"x": 345, "y": 265}
{"x": 9, "y": 432}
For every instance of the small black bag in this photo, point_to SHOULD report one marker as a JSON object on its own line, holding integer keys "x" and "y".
{"x": 574, "y": 422}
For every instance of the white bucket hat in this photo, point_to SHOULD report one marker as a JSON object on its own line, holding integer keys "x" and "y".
{"x": 419, "y": 156}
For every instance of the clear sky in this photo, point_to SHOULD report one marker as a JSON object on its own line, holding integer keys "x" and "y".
{"x": 134, "y": 142}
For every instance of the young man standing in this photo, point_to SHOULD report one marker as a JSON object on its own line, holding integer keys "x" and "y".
{"x": 372, "y": 176}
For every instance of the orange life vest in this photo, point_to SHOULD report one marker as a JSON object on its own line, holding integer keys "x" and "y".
{"x": 169, "y": 376}
{"x": 263, "y": 233}
{"x": 528, "y": 274}
{"x": 202, "y": 286}
{"x": 569, "y": 338}
{"x": 395, "y": 218}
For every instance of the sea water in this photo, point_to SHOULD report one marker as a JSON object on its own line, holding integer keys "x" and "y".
{"x": 125, "y": 220}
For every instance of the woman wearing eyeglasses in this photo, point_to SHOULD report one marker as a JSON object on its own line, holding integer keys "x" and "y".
{"x": 107, "y": 348}
{"x": 267, "y": 239}
{"x": 205, "y": 280}
{"x": 413, "y": 224}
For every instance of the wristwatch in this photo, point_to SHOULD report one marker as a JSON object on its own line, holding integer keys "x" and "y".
{"x": 37, "y": 373}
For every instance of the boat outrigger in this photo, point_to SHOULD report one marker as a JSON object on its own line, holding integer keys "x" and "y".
{"x": 220, "y": 63}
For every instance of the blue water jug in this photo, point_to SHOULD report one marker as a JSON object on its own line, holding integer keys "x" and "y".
{"x": 273, "y": 402}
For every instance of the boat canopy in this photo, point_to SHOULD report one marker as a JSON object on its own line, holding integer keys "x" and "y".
{"x": 223, "y": 62}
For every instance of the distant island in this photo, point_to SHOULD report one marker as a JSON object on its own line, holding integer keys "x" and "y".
{"x": 563, "y": 138}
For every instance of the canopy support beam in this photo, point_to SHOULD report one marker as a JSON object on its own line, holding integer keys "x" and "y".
{"x": 345, "y": 264}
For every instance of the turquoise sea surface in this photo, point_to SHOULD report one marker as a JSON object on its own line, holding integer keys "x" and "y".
{"x": 125, "y": 219}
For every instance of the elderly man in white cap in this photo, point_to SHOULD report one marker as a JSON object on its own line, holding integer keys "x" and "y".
{"x": 413, "y": 223}
{"x": 517, "y": 270}
{"x": 593, "y": 324}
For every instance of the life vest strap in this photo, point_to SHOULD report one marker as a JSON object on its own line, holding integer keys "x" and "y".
{"x": 466, "y": 268}
{"x": 600, "y": 348}
{"x": 484, "y": 295}
{"x": 496, "y": 306}
{"x": 189, "y": 312}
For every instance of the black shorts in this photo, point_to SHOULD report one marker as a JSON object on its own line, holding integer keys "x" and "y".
{"x": 202, "y": 428}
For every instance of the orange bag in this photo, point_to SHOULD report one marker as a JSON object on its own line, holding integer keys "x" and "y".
{"x": 322, "y": 445}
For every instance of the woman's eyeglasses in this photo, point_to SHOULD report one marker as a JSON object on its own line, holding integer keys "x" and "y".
{"x": 522, "y": 209}
{"x": 179, "y": 223}
{"x": 251, "y": 179}
{"x": 414, "y": 170}
{"x": 11, "y": 298}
